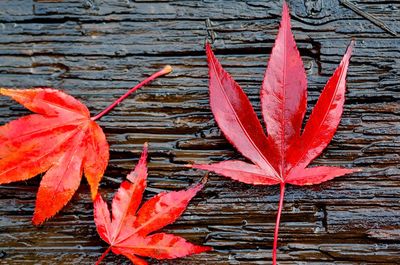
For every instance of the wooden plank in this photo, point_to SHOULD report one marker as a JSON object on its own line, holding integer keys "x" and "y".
{"x": 95, "y": 50}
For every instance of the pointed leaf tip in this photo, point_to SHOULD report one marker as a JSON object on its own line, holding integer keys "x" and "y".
{"x": 6, "y": 91}
{"x": 209, "y": 51}
{"x": 145, "y": 148}
{"x": 195, "y": 188}
{"x": 285, "y": 6}
{"x": 350, "y": 47}
{"x": 285, "y": 12}
{"x": 204, "y": 180}
{"x": 139, "y": 173}
{"x": 36, "y": 221}
{"x": 208, "y": 48}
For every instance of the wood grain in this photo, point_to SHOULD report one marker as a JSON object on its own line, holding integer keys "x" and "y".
{"x": 95, "y": 50}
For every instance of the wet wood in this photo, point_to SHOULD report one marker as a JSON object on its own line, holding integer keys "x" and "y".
{"x": 95, "y": 50}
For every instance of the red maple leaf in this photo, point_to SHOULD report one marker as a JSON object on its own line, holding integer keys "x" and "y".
{"x": 60, "y": 139}
{"x": 127, "y": 232}
{"x": 281, "y": 156}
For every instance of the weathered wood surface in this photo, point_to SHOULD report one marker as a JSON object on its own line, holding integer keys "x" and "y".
{"x": 96, "y": 49}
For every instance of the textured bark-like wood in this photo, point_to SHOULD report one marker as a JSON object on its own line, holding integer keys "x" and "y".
{"x": 96, "y": 49}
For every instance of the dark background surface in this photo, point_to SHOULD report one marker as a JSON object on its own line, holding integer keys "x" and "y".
{"x": 95, "y": 50}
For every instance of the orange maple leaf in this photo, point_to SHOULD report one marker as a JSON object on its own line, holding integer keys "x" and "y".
{"x": 60, "y": 139}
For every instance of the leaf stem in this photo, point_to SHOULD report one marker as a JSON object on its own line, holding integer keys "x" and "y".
{"x": 103, "y": 255}
{"x": 278, "y": 220}
{"x": 166, "y": 70}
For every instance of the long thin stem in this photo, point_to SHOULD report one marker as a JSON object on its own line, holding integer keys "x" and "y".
{"x": 166, "y": 70}
{"x": 103, "y": 256}
{"x": 278, "y": 220}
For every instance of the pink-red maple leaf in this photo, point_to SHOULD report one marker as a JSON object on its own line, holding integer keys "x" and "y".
{"x": 130, "y": 231}
{"x": 282, "y": 155}
{"x": 60, "y": 139}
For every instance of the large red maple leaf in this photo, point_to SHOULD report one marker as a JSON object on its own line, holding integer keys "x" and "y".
{"x": 130, "y": 230}
{"x": 60, "y": 139}
{"x": 282, "y": 155}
